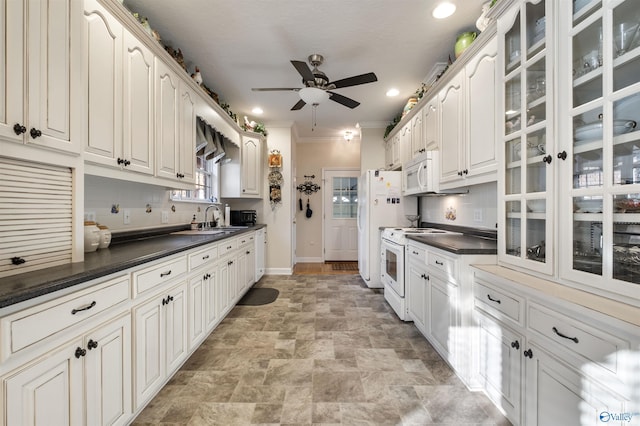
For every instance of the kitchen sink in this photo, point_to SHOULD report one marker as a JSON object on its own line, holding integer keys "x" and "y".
{"x": 203, "y": 232}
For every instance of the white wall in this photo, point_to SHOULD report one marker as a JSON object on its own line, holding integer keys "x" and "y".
{"x": 372, "y": 147}
{"x": 481, "y": 198}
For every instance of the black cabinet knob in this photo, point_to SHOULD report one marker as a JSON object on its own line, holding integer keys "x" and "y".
{"x": 465, "y": 171}
{"x": 80, "y": 352}
{"x": 35, "y": 133}
{"x": 515, "y": 344}
{"x": 562, "y": 155}
{"x": 528, "y": 353}
{"x": 19, "y": 129}
{"x": 92, "y": 344}
{"x": 547, "y": 159}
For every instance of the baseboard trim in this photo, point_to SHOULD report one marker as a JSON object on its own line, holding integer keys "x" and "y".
{"x": 309, "y": 260}
{"x": 279, "y": 271}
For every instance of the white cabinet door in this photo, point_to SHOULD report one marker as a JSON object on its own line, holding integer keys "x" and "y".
{"x": 556, "y": 394}
{"x": 137, "y": 109}
{"x": 451, "y": 107}
{"x": 430, "y": 124}
{"x": 175, "y": 328}
{"x": 500, "y": 365}
{"x": 418, "y": 283}
{"x": 102, "y": 35}
{"x": 224, "y": 287}
{"x": 418, "y": 142}
{"x": 261, "y": 248}
{"x": 441, "y": 319}
{"x": 243, "y": 272}
{"x": 48, "y": 391}
{"x": 480, "y": 87}
{"x": 108, "y": 373}
{"x": 405, "y": 144}
{"x": 167, "y": 117}
{"x": 212, "y": 297}
{"x": 187, "y": 142}
{"x": 149, "y": 355}
{"x": 12, "y": 90}
{"x": 251, "y": 166}
{"x": 197, "y": 308}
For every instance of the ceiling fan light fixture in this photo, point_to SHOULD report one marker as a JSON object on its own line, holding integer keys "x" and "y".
{"x": 393, "y": 92}
{"x": 444, "y": 10}
{"x": 348, "y": 135}
{"x": 313, "y": 95}
{"x": 257, "y": 110}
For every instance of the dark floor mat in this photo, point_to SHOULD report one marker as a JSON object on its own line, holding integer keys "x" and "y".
{"x": 345, "y": 266}
{"x": 259, "y": 296}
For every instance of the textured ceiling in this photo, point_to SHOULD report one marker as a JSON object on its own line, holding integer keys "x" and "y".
{"x": 240, "y": 44}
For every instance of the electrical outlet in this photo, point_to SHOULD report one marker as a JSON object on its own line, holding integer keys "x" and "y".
{"x": 90, "y": 216}
{"x": 165, "y": 216}
{"x": 126, "y": 216}
{"x": 477, "y": 215}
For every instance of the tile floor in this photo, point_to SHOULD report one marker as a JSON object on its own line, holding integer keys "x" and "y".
{"x": 327, "y": 351}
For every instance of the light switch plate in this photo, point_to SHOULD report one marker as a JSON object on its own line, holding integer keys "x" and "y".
{"x": 165, "y": 216}
{"x": 126, "y": 216}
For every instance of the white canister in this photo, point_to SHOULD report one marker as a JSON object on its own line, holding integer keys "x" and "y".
{"x": 227, "y": 215}
{"x": 105, "y": 237}
{"x": 91, "y": 236}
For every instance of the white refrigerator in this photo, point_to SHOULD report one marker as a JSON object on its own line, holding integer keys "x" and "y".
{"x": 380, "y": 205}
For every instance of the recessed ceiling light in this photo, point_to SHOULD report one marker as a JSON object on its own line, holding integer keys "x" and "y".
{"x": 257, "y": 110}
{"x": 393, "y": 92}
{"x": 444, "y": 10}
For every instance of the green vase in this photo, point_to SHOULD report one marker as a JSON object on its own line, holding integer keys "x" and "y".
{"x": 463, "y": 41}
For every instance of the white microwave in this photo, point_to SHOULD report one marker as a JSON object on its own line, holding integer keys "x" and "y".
{"x": 418, "y": 175}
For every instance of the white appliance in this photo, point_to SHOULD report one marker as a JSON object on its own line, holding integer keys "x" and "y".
{"x": 421, "y": 175}
{"x": 392, "y": 265}
{"x": 380, "y": 204}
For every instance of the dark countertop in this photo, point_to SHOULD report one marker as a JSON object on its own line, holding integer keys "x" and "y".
{"x": 458, "y": 244}
{"x": 118, "y": 257}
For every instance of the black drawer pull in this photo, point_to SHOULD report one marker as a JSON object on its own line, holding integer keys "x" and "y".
{"x": 92, "y": 344}
{"x": 19, "y": 129}
{"x": 414, "y": 252}
{"x": 205, "y": 257}
{"x": 35, "y": 133}
{"x": 248, "y": 252}
{"x": 164, "y": 274}
{"x": 493, "y": 300}
{"x": 80, "y": 352}
{"x": 564, "y": 336}
{"x": 439, "y": 263}
{"x": 229, "y": 247}
{"x": 528, "y": 353}
{"x": 86, "y": 308}
{"x": 515, "y": 344}
{"x": 17, "y": 261}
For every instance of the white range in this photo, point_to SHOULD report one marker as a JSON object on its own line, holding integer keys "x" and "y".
{"x": 392, "y": 264}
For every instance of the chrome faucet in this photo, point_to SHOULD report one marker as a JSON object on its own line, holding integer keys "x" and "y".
{"x": 206, "y": 212}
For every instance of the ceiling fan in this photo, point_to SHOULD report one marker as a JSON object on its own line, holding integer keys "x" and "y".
{"x": 317, "y": 86}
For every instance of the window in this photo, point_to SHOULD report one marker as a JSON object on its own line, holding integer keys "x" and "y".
{"x": 206, "y": 186}
{"x": 345, "y": 197}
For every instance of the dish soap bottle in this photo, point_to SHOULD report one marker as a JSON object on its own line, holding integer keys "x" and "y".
{"x": 194, "y": 223}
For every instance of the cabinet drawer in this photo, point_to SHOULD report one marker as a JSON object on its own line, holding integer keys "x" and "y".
{"x": 227, "y": 246}
{"x": 245, "y": 239}
{"x": 27, "y": 327}
{"x": 203, "y": 257}
{"x": 596, "y": 346}
{"x": 416, "y": 254}
{"x": 491, "y": 300}
{"x": 153, "y": 276}
{"x": 443, "y": 264}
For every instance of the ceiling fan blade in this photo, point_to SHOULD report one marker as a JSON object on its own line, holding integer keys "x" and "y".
{"x": 348, "y": 102}
{"x": 274, "y": 89}
{"x": 304, "y": 70}
{"x": 299, "y": 105}
{"x": 355, "y": 80}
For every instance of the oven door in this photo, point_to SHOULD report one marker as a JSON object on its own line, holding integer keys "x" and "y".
{"x": 392, "y": 266}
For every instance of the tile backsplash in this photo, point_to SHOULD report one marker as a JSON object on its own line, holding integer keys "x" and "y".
{"x": 144, "y": 204}
{"x": 477, "y": 209}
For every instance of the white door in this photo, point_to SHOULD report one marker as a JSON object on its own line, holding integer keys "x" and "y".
{"x": 340, "y": 212}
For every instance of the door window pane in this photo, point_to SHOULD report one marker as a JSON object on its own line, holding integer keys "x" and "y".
{"x": 345, "y": 197}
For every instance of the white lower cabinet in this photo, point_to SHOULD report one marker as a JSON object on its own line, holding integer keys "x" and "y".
{"x": 85, "y": 381}
{"x": 261, "y": 248}
{"x": 443, "y": 322}
{"x": 417, "y": 286}
{"x": 561, "y": 363}
{"x": 197, "y": 308}
{"x": 160, "y": 326}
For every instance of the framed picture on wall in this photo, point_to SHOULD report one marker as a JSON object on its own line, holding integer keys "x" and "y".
{"x": 275, "y": 159}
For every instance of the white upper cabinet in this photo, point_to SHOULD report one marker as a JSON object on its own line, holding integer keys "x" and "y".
{"x": 251, "y": 165}
{"x": 451, "y": 99}
{"x": 103, "y": 89}
{"x": 167, "y": 121}
{"x": 187, "y": 142}
{"x": 480, "y": 85}
{"x": 430, "y": 126}
{"x": 137, "y": 108}
{"x": 242, "y": 176}
{"x": 418, "y": 141}
{"x": 36, "y": 72}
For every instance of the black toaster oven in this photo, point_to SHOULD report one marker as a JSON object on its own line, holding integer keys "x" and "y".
{"x": 243, "y": 217}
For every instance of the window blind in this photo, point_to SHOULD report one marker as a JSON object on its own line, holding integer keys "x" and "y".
{"x": 36, "y": 216}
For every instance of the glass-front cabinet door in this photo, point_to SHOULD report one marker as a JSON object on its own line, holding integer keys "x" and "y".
{"x": 526, "y": 186}
{"x": 599, "y": 145}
